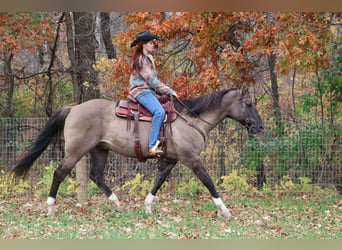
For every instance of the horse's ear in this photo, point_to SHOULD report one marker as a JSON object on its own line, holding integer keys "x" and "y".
{"x": 244, "y": 91}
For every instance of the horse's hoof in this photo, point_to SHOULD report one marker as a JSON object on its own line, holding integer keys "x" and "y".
{"x": 116, "y": 204}
{"x": 118, "y": 208}
{"x": 148, "y": 210}
{"x": 51, "y": 211}
{"x": 224, "y": 213}
{"x": 148, "y": 203}
{"x": 113, "y": 199}
{"x": 51, "y": 204}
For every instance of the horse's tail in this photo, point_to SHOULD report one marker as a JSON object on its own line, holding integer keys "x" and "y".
{"x": 53, "y": 127}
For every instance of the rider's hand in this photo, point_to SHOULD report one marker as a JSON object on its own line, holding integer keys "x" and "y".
{"x": 174, "y": 94}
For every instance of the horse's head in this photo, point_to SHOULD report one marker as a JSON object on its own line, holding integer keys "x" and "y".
{"x": 242, "y": 109}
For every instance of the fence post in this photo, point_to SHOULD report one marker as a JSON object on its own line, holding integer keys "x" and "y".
{"x": 82, "y": 181}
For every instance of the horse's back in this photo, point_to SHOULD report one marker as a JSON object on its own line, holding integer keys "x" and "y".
{"x": 93, "y": 108}
{"x": 87, "y": 118}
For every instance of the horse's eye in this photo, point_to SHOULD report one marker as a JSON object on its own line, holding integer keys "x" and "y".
{"x": 249, "y": 104}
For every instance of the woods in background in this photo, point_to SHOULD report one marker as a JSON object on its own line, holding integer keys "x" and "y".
{"x": 291, "y": 62}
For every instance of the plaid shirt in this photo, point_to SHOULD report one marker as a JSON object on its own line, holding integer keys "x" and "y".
{"x": 147, "y": 79}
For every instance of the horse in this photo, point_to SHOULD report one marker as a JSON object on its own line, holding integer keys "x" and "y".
{"x": 93, "y": 127}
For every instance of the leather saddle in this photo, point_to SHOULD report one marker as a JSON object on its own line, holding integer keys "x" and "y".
{"x": 132, "y": 110}
{"x": 127, "y": 108}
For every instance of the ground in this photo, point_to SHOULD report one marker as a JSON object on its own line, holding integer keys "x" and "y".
{"x": 255, "y": 216}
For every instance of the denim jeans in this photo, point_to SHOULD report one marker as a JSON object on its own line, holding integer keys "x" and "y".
{"x": 151, "y": 103}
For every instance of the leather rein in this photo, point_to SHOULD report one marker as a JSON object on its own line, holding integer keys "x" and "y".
{"x": 190, "y": 123}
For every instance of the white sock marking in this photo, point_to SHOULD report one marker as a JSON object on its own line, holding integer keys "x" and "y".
{"x": 223, "y": 210}
{"x": 51, "y": 202}
{"x": 148, "y": 203}
{"x": 113, "y": 198}
{"x": 218, "y": 202}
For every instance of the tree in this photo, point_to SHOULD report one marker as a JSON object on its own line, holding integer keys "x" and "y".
{"x": 50, "y": 87}
{"x": 81, "y": 50}
{"x": 9, "y": 81}
{"x": 21, "y": 32}
{"x": 230, "y": 49}
{"x": 106, "y": 35}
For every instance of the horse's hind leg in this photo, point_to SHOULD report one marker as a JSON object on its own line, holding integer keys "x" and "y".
{"x": 98, "y": 162}
{"x": 197, "y": 166}
{"x": 73, "y": 153}
{"x": 164, "y": 170}
{"x": 59, "y": 175}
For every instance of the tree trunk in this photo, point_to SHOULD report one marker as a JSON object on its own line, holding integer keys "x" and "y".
{"x": 10, "y": 132}
{"x": 275, "y": 93}
{"x": 81, "y": 48}
{"x": 50, "y": 87}
{"x": 9, "y": 79}
{"x": 85, "y": 45}
{"x": 221, "y": 151}
{"x": 71, "y": 54}
{"x": 106, "y": 35}
{"x": 82, "y": 180}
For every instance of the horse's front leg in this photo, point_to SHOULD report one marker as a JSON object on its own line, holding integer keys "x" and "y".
{"x": 198, "y": 168}
{"x": 164, "y": 170}
{"x": 98, "y": 163}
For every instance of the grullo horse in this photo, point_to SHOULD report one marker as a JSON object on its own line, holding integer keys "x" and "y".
{"x": 92, "y": 127}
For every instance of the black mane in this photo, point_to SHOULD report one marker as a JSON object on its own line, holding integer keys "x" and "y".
{"x": 197, "y": 105}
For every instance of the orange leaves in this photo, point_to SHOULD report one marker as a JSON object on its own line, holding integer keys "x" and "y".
{"x": 24, "y": 30}
{"x": 187, "y": 86}
{"x": 231, "y": 44}
{"x": 298, "y": 39}
{"x": 205, "y": 33}
{"x": 182, "y": 86}
{"x": 303, "y": 44}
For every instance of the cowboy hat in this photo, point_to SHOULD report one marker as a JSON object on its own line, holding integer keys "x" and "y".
{"x": 145, "y": 35}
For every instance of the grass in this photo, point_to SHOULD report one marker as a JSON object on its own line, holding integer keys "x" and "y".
{"x": 255, "y": 216}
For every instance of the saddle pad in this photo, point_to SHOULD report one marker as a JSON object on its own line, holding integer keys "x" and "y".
{"x": 122, "y": 107}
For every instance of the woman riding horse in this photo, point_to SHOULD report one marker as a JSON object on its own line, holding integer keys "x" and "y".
{"x": 92, "y": 127}
{"x": 144, "y": 83}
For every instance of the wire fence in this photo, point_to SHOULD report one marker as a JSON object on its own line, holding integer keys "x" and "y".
{"x": 287, "y": 149}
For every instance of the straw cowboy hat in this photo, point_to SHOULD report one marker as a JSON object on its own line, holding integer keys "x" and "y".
{"x": 145, "y": 35}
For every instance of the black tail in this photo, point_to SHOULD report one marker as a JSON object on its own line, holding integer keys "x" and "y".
{"x": 53, "y": 127}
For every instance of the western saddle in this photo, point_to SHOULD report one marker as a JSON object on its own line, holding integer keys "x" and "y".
{"x": 131, "y": 110}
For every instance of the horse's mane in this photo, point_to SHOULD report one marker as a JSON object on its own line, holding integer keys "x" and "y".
{"x": 197, "y": 105}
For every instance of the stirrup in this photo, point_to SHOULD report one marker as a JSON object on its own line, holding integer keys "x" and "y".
{"x": 155, "y": 151}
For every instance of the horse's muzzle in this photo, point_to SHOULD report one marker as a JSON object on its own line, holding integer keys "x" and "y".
{"x": 254, "y": 126}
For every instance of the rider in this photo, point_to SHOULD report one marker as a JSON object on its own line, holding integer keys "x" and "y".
{"x": 144, "y": 84}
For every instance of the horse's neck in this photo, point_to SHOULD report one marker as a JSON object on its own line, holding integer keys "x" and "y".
{"x": 209, "y": 120}
{"x": 214, "y": 117}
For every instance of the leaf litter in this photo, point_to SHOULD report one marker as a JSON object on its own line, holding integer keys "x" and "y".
{"x": 254, "y": 217}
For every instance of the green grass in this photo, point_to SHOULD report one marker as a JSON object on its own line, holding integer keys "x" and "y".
{"x": 257, "y": 216}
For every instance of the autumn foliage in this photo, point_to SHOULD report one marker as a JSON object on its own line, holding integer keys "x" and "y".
{"x": 202, "y": 52}
{"x": 24, "y": 31}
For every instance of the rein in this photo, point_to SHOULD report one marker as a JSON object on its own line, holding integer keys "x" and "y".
{"x": 190, "y": 123}
{"x": 193, "y": 113}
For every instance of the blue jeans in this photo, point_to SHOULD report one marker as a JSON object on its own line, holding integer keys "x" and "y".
{"x": 151, "y": 103}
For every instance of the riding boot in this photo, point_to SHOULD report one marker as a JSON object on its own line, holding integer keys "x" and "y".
{"x": 156, "y": 151}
